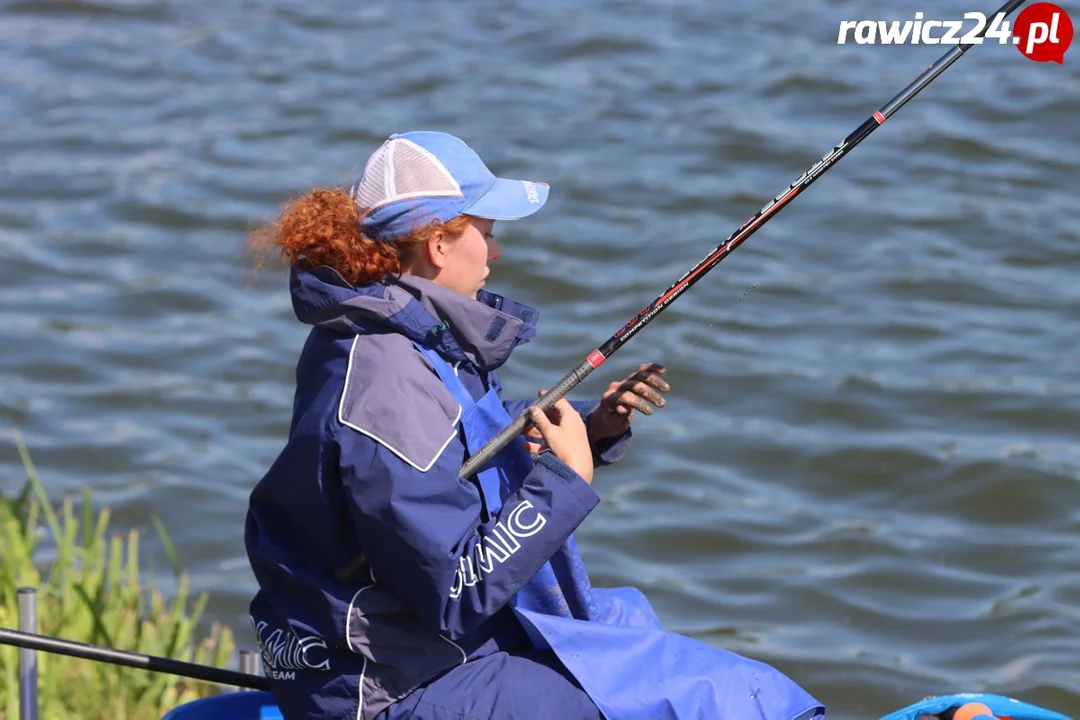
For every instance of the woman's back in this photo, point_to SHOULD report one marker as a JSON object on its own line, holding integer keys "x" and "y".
{"x": 371, "y": 422}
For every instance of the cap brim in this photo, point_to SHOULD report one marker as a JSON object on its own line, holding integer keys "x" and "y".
{"x": 509, "y": 200}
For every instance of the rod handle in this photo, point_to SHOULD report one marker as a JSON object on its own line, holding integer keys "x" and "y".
{"x": 522, "y": 421}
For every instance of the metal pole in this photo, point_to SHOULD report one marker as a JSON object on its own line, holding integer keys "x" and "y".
{"x": 28, "y": 669}
{"x": 250, "y": 663}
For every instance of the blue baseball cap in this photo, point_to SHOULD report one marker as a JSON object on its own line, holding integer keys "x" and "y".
{"x": 418, "y": 177}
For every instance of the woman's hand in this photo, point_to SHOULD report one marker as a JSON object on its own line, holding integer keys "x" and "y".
{"x": 563, "y": 432}
{"x": 641, "y": 390}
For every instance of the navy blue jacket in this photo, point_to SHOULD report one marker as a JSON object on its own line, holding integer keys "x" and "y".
{"x": 357, "y": 532}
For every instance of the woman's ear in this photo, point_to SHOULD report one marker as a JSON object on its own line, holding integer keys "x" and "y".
{"x": 437, "y": 249}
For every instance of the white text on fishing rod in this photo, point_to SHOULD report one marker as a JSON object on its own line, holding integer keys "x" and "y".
{"x": 1042, "y": 32}
{"x": 496, "y": 548}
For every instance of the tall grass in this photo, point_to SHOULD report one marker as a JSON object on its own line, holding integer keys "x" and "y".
{"x": 90, "y": 590}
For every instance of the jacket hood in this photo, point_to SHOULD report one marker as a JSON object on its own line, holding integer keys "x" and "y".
{"x": 483, "y": 331}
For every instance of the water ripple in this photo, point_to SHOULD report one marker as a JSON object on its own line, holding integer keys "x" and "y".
{"x": 867, "y": 473}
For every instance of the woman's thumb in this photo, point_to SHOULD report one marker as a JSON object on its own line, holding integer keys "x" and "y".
{"x": 539, "y": 419}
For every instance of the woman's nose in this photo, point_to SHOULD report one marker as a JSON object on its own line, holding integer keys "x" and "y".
{"x": 494, "y": 252}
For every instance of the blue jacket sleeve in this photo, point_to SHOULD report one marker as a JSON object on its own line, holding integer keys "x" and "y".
{"x": 427, "y": 536}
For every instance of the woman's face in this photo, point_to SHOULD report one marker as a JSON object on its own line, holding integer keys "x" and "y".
{"x": 465, "y": 260}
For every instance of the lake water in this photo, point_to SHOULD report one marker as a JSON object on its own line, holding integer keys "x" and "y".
{"x": 868, "y": 472}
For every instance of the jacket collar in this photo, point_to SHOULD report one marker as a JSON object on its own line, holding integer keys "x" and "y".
{"x": 483, "y": 331}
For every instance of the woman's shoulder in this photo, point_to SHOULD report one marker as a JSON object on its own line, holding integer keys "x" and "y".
{"x": 392, "y": 396}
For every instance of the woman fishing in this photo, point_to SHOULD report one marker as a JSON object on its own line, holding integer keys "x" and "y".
{"x": 390, "y": 587}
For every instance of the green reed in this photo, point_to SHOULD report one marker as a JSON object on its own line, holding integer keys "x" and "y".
{"x": 89, "y": 589}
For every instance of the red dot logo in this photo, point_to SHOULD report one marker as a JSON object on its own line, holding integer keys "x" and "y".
{"x": 1043, "y": 32}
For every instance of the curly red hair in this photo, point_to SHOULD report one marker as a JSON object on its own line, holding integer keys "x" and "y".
{"x": 322, "y": 228}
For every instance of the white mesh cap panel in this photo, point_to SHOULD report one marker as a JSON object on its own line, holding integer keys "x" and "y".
{"x": 401, "y": 169}
{"x": 374, "y": 185}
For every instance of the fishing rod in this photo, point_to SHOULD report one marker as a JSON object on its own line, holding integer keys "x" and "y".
{"x": 766, "y": 213}
{"x": 46, "y": 643}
